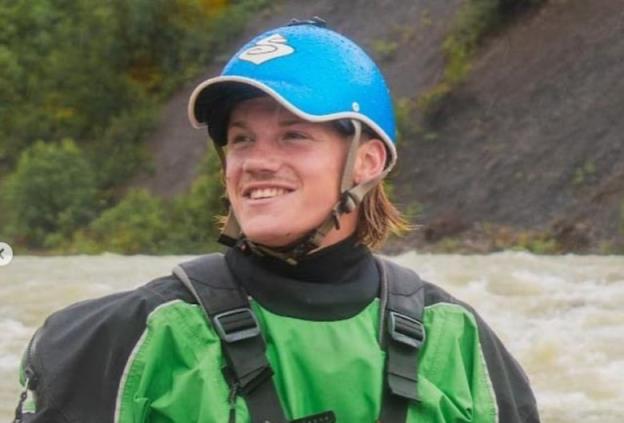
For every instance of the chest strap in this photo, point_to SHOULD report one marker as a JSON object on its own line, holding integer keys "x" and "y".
{"x": 227, "y": 308}
{"x": 249, "y": 372}
{"x": 403, "y": 334}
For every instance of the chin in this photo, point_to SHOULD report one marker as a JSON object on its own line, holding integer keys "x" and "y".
{"x": 271, "y": 235}
{"x": 277, "y": 231}
{"x": 272, "y": 239}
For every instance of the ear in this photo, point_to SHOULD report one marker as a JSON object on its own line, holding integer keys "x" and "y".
{"x": 370, "y": 161}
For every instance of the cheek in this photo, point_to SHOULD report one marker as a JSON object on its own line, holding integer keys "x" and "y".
{"x": 232, "y": 175}
{"x": 325, "y": 181}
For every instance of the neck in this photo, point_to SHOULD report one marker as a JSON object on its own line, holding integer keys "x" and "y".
{"x": 338, "y": 227}
{"x": 334, "y": 282}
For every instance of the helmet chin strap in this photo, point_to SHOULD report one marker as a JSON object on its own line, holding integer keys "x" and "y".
{"x": 351, "y": 197}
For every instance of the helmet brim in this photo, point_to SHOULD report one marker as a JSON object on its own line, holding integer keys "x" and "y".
{"x": 212, "y": 101}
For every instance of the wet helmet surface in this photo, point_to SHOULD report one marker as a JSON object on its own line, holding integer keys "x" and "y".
{"x": 316, "y": 73}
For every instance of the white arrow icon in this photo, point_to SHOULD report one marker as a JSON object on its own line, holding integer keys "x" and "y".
{"x": 6, "y": 254}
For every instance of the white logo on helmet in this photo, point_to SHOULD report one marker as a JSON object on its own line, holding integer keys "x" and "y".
{"x": 266, "y": 49}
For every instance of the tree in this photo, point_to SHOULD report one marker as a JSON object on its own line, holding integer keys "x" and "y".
{"x": 50, "y": 193}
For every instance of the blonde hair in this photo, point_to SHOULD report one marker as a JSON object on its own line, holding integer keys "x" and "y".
{"x": 378, "y": 218}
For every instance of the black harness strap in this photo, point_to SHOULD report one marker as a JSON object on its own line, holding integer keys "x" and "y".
{"x": 249, "y": 372}
{"x": 403, "y": 304}
{"x": 228, "y": 309}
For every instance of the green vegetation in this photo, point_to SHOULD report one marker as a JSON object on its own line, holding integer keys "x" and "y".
{"x": 142, "y": 223}
{"x": 94, "y": 74}
{"x": 136, "y": 224}
{"x": 384, "y": 50}
{"x": 475, "y": 20}
{"x": 537, "y": 242}
{"x": 489, "y": 237}
{"x": 50, "y": 194}
{"x": 584, "y": 173}
{"x": 406, "y": 127}
{"x": 448, "y": 245}
{"x": 413, "y": 210}
{"x": 91, "y": 70}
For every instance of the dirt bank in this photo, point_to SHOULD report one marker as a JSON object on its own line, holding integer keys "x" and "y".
{"x": 529, "y": 145}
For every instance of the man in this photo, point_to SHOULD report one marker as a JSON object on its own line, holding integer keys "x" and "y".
{"x": 298, "y": 321}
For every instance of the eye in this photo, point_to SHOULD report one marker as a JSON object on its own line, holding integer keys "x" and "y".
{"x": 295, "y": 135}
{"x": 239, "y": 139}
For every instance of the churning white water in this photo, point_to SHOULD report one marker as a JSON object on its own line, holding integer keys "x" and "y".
{"x": 562, "y": 317}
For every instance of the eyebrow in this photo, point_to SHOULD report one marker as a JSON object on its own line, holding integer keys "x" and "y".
{"x": 290, "y": 122}
{"x": 238, "y": 124}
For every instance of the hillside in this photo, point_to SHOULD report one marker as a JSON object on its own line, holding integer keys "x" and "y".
{"x": 527, "y": 150}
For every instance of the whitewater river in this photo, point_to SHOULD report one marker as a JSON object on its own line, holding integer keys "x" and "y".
{"x": 562, "y": 317}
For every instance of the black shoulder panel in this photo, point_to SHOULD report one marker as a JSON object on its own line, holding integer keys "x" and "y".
{"x": 81, "y": 352}
{"x": 209, "y": 280}
{"x": 514, "y": 397}
{"x": 404, "y": 287}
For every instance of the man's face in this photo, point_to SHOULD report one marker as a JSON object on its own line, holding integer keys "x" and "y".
{"x": 282, "y": 173}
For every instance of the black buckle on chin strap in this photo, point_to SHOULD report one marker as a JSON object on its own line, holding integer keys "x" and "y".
{"x": 406, "y": 330}
{"x": 228, "y": 241}
{"x": 236, "y": 325}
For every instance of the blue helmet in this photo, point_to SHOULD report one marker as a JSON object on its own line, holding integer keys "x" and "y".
{"x": 317, "y": 74}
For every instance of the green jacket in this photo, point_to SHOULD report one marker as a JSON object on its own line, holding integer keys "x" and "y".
{"x": 149, "y": 355}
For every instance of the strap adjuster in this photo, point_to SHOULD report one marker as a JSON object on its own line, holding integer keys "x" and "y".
{"x": 236, "y": 325}
{"x": 405, "y": 329}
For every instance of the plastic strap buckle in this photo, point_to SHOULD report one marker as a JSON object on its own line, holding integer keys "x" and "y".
{"x": 405, "y": 329}
{"x": 236, "y": 325}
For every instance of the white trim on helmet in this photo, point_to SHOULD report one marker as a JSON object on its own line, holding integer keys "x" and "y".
{"x": 289, "y": 106}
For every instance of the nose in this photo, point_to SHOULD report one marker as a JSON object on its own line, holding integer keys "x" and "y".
{"x": 261, "y": 159}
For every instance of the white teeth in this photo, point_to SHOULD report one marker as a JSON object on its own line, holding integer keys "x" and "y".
{"x": 266, "y": 193}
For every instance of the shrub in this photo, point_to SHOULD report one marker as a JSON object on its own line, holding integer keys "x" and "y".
{"x": 384, "y": 50}
{"x": 406, "y": 127}
{"x": 534, "y": 241}
{"x": 195, "y": 215}
{"x": 119, "y": 152}
{"x": 137, "y": 224}
{"x": 142, "y": 223}
{"x": 50, "y": 193}
{"x": 474, "y": 21}
{"x": 95, "y": 72}
{"x": 585, "y": 173}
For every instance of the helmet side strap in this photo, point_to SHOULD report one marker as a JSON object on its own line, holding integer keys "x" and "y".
{"x": 344, "y": 204}
{"x": 351, "y": 197}
{"x": 347, "y": 171}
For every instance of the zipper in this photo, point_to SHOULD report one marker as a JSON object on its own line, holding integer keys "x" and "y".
{"x": 232, "y": 402}
{"x": 383, "y": 301}
{"x": 29, "y": 371}
{"x": 30, "y": 378}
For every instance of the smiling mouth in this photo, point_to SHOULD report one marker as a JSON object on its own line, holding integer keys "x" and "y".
{"x": 264, "y": 193}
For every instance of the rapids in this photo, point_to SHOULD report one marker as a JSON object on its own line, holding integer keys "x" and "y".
{"x": 561, "y": 316}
